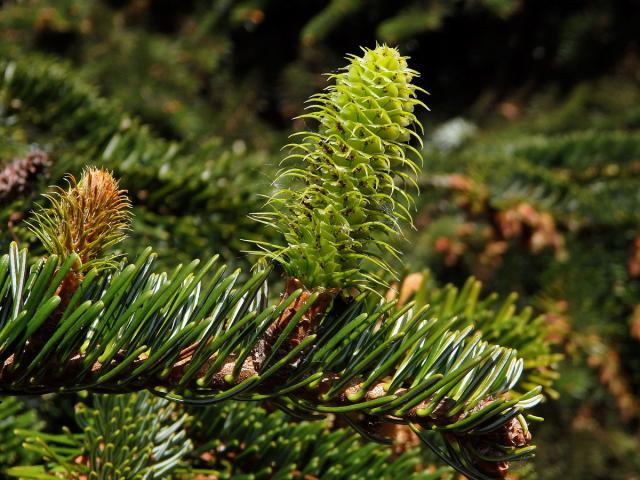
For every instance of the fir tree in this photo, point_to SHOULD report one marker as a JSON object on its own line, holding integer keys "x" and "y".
{"x": 201, "y": 336}
{"x": 529, "y": 183}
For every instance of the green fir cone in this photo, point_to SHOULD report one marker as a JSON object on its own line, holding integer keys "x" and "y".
{"x": 343, "y": 193}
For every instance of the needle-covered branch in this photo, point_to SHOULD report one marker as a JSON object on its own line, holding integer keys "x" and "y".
{"x": 195, "y": 335}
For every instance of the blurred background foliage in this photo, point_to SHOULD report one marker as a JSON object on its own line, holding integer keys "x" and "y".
{"x": 531, "y": 178}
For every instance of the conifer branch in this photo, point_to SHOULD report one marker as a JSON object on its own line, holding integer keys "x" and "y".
{"x": 193, "y": 335}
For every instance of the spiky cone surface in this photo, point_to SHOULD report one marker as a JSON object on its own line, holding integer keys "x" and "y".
{"x": 343, "y": 191}
{"x": 17, "y": 177}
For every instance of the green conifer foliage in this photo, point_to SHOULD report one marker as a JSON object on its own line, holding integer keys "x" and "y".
{"x": 340, "y": 195}
{"x": 137, "y": 436}
{"x": 243, "y": 439}
{"x": 133, "y": 437}
{"x": 15, "y": 414}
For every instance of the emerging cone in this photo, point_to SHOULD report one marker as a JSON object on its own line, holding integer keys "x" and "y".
{"x": 86, "y": 219}
{"x": 342, "y": 193}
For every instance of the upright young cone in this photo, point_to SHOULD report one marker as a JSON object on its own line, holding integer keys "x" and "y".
{"x": 342, "y": 191}
{"x": 86, "y": 219}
